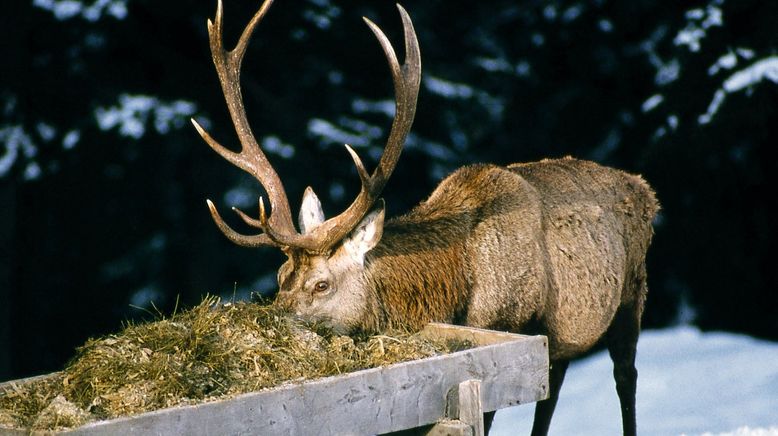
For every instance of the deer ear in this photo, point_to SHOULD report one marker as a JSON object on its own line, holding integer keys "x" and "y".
{"x": 311, "y": 214}
{"x": 366, "y": 235}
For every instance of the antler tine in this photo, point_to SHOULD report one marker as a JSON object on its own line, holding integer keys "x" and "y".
{"x": 250, "y": 158}
{"x": 261, "y": 223}
{"x": 243, "y": 41}
{"x": 406, "y": 79}
{"x": 237, "y": 238}
{"x": 361, "y": 171}
{"x": 253, "y": 222}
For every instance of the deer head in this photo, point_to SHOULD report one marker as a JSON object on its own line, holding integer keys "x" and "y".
{"x": 325, "y": 270}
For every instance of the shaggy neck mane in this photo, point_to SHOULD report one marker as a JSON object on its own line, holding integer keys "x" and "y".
{"x": 418, "y": 269}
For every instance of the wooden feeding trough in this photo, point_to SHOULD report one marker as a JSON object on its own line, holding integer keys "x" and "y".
{"x": 449, "y": 392}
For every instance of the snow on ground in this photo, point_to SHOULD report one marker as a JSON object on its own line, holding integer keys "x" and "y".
{"x": 689, "y": 383}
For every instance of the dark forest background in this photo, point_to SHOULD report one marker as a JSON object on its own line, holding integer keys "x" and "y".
{"x": 103, "y": 180}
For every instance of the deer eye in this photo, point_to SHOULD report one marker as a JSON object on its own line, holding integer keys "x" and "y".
{"x": 321, "y": 286}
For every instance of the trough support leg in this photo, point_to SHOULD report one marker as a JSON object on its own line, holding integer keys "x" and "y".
{"x": 464, "y": 412}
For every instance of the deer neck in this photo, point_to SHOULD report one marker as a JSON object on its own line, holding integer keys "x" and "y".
{"x": 418, "y": 275}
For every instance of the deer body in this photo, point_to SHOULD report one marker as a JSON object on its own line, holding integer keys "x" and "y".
{"x": 555, "y": 247}
{"x": 545, "y": 244}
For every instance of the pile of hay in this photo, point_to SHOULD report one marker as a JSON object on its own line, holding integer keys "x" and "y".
{"x": 211, "y": 351}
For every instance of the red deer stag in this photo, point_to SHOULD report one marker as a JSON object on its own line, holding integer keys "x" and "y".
{"x": 555, "y": 247}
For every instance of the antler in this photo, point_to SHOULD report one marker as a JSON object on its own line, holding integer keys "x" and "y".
{"x": 278, "y": 229}
{"x": 250, "y": 158}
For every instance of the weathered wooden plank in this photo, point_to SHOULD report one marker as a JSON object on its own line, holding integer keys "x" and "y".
{"x": 8, "y": 384}
{"x": 464, "y": 404}
{"x": 449, "y": 427}
{"x": 475, "y": 335}
{"x": 15, "y": 432}
{"x": 379, "y": 400}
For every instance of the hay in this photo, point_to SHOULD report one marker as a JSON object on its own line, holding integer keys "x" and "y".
{"x": 211, "y": 351}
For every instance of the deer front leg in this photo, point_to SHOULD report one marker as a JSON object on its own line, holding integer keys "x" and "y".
{"x": 545, "y": 409}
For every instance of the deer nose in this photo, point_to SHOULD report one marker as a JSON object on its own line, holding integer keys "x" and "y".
{"x": 284, "y": 302}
